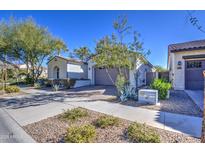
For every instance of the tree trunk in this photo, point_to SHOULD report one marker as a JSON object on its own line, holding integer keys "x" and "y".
{"x": 203, "y": 122}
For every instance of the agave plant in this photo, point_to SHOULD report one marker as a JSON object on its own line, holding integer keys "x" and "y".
{"x": 128, "y": 92}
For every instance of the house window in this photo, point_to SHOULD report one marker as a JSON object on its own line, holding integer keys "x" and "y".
{"x": 194, "y": 64}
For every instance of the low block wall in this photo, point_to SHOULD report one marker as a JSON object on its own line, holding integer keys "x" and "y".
{"x": 82, "y": 83}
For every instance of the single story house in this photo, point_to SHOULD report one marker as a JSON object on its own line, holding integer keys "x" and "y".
{"x": 99, "y": 76}
{"x": 66, "y": 68}
{"x": 186, "y": 62}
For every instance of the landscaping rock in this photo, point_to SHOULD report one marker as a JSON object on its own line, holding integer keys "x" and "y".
{"x": 54, "y": 130}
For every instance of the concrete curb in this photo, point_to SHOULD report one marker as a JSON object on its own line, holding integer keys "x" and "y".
{"x": 11, "y": 131}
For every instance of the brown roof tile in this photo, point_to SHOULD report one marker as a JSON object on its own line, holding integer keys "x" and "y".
{"x": 192, "y": 45}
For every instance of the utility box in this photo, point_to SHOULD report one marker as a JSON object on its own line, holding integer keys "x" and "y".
{"x": 148, "y": 96}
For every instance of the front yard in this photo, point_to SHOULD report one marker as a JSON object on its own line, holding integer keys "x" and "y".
{"x": 179, "y": 102}
{"x": 54, "y": 129}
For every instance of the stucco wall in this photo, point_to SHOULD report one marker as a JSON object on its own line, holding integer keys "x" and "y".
{"x": 77, "y": 71}
{"x": 177, "y": 76}
{"x": 62, "y": 64}
{"x": 91, "y": 74}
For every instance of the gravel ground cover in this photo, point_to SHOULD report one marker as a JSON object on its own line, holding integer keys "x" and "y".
{"x": 179, "y": 102}
{"x": 54, "y": 130}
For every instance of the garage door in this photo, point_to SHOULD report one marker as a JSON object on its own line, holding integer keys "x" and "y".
{"x": 102, "y": 78}
{"x": 194, "y": 75}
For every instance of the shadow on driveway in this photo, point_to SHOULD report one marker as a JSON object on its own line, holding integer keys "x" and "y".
{"x": 42, "y": 98}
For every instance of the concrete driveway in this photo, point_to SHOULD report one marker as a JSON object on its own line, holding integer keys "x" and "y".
{"x": 39, "y": 106}
{"x": 197, "y": 96}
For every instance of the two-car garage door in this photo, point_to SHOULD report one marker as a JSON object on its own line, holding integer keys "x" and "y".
{"x": 194, "y": 74}
{"x": 102, "y": 77}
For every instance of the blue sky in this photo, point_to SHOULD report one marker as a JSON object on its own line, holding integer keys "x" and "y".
{"x": 158, "y": 29}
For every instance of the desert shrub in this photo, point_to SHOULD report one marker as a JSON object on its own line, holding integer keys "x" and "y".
{"x": 162, "y": 86}
{"x": 70, "y": 83}
{"x": 37, "y": 85}
{"x": 82, "y": 134}
{"x": 74, "y": 114}
{"x": 106, "y": 121}
{"x": 28, "y": 80}
{"x": 140, "y": 133}
{"x": 12, "y": 89}
{"x": 56, "y": 87}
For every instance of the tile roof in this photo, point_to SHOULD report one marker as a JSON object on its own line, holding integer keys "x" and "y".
{"x": 192, "y": 45}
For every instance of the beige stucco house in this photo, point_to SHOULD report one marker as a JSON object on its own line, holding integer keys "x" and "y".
{"x": 186, "y": 62}
{"x": 66, "y": 68}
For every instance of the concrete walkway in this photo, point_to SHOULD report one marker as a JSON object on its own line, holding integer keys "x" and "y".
{"x": 10, "y": 131}
{"x": 197, "y": 96}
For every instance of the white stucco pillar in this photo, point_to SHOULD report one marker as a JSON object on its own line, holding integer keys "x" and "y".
{"x": 91, "y": 72}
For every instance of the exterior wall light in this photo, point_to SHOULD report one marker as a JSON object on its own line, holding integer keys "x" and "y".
{"x": 179, "y": 65}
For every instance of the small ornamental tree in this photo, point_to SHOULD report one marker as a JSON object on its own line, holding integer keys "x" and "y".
{"x": 113, "y": 52}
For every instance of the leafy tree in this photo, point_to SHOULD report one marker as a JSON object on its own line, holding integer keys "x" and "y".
{"x": 83, "y": 53}
{"x": 30, "y": 43}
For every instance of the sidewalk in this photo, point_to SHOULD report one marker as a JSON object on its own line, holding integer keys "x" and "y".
{"x": 10, "y": 131}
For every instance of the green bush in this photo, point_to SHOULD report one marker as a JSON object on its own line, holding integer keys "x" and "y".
{"x": 74, "y": 114}
{"x": 29, "y": 80}
{"x": 162, "y": 86}
{"x": 140, "y": 133}
{"x": 12, "y": 89}
{"x": 82, "y": 134}
{"x": 106, "y": 121}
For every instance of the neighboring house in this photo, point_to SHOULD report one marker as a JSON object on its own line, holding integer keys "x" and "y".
{"x": 44, "y": 73}
{"x": 66, "y": 68}
{"x": 186, "y": 62}
{"x": 99, "y": 76}
{"x": 8, "y": 65}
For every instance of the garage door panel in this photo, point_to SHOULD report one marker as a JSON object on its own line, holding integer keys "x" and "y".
{"x": 194, "y": 75}
{"x": 102, "y": 77}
